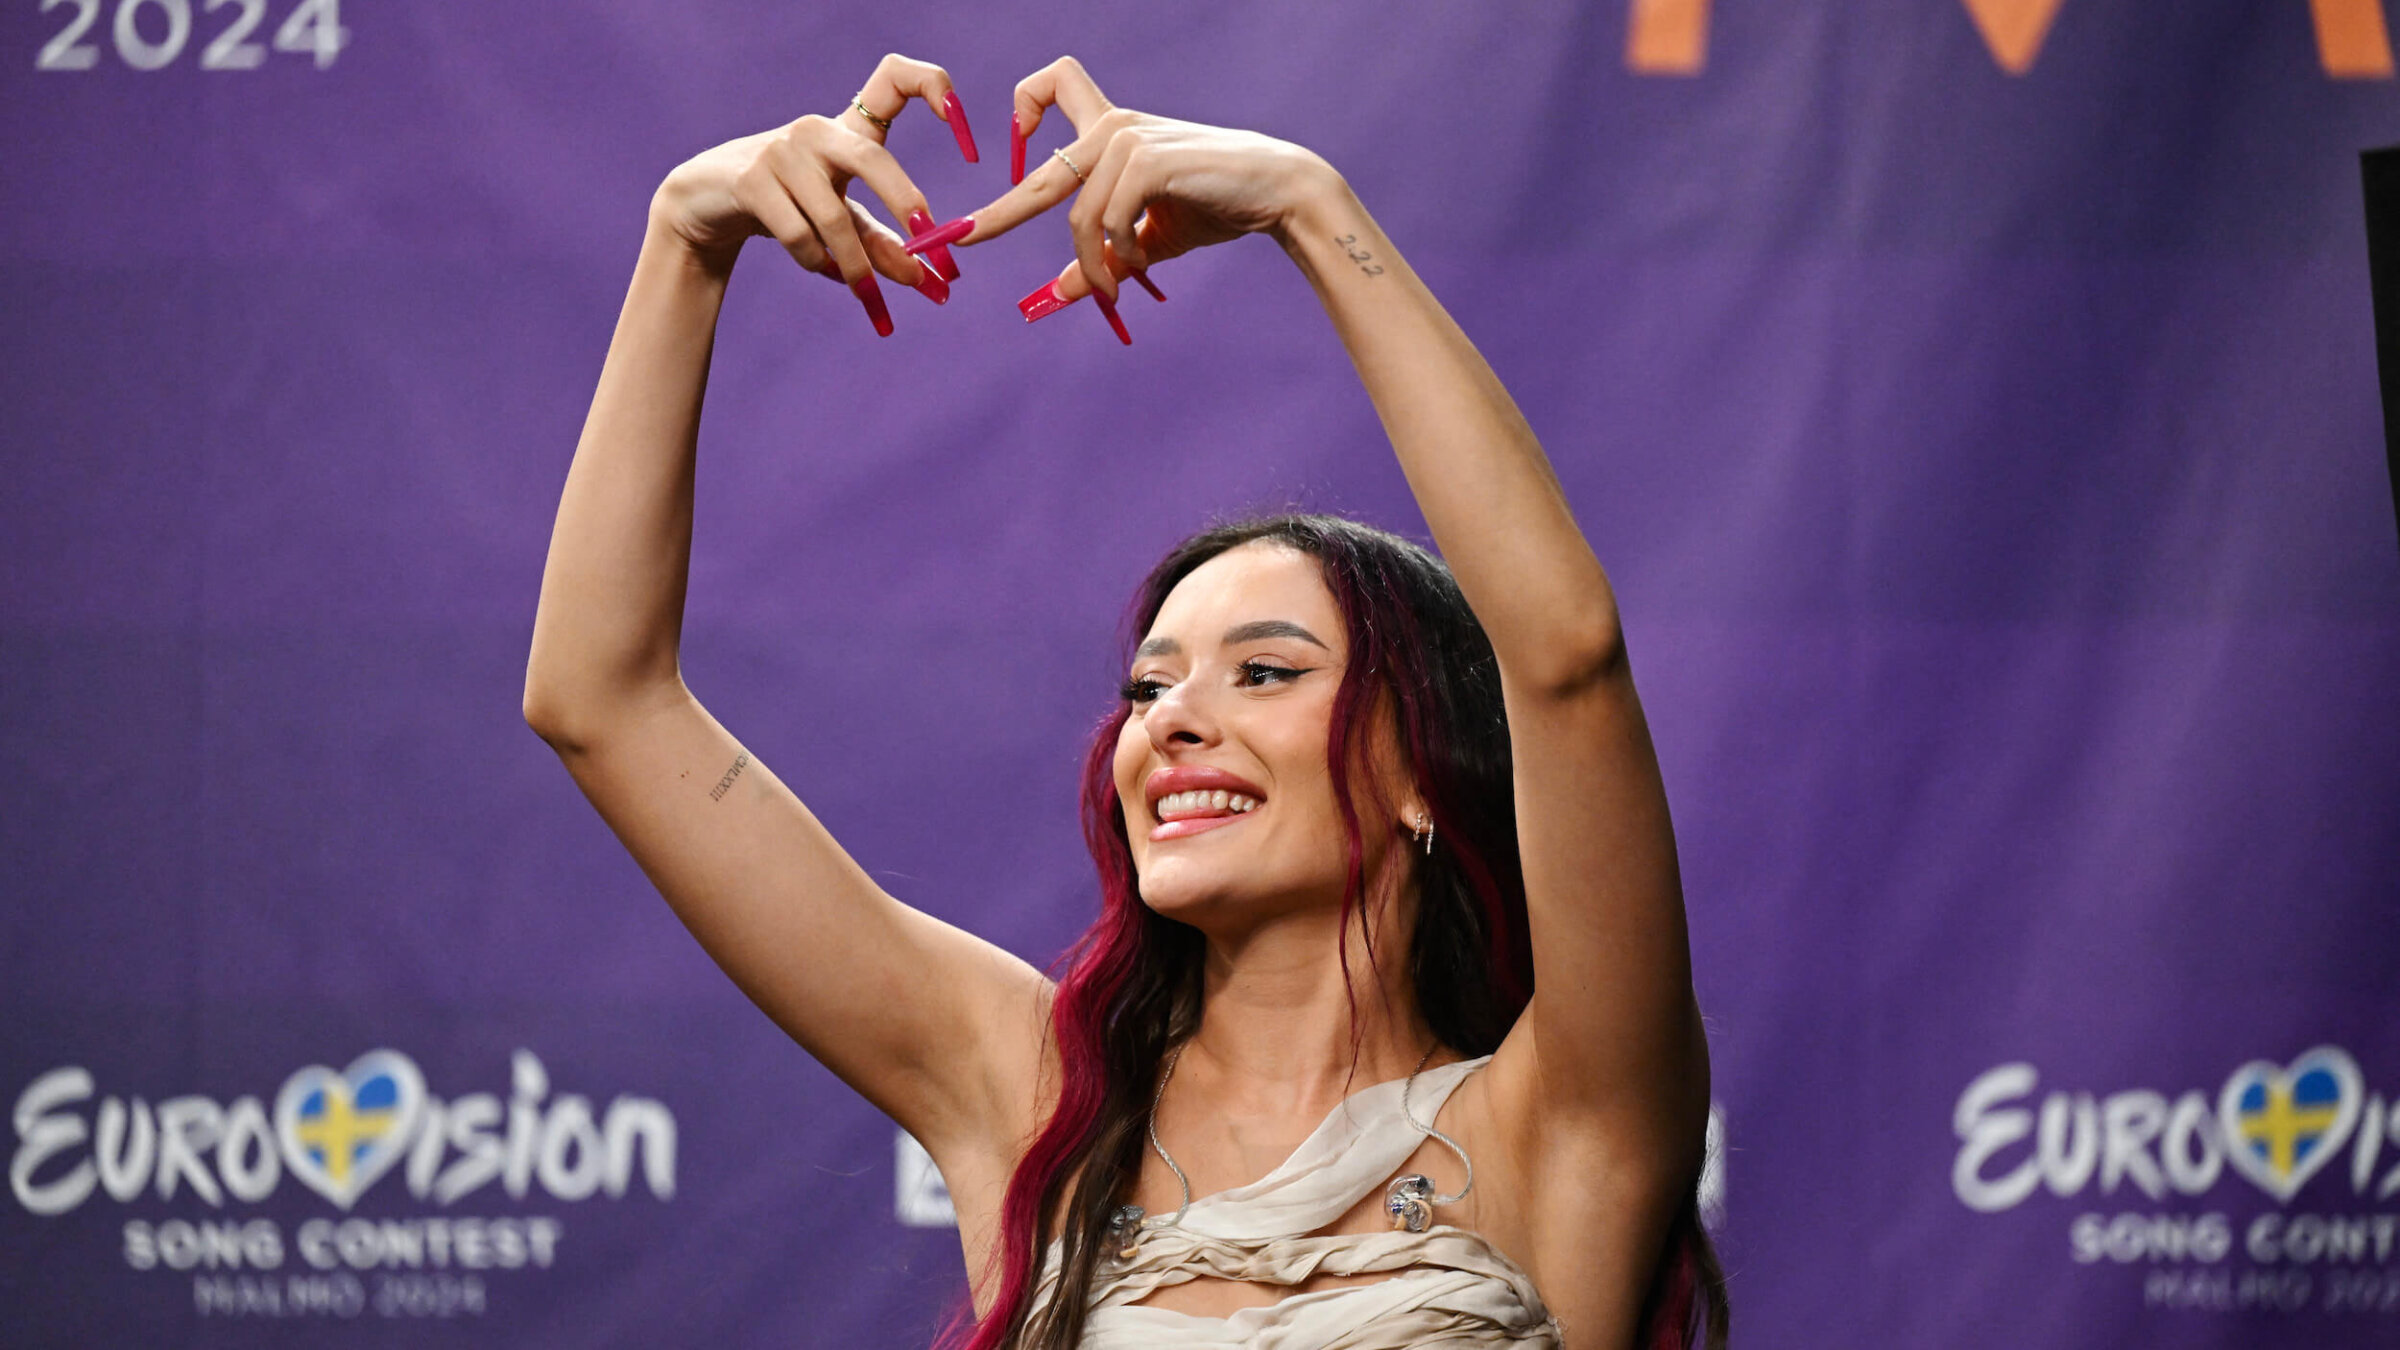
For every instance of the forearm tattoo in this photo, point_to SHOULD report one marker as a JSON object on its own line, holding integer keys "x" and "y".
{"x": 1365, "y": 260}
{"x": 725, "y": 784}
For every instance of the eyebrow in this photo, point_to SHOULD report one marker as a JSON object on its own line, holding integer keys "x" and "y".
{"x": 1240, "y": 632}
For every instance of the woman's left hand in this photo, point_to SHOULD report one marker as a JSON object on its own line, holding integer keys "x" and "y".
{"x": 1151, "y": 187}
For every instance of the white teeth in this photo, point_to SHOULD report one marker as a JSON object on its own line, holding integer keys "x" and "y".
{"x": 1202, "y": 799}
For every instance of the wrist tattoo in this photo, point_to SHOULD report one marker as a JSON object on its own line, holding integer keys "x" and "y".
{"x": 1365, "y": 260}
{"x": 725, "y": 784}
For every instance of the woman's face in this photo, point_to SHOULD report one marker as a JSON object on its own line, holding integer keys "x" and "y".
{"x": 1220, "y": 767}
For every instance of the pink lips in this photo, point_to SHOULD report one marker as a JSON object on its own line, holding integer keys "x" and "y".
{"x": 1191, "y": 778}
{"x": 1194, "y": 778}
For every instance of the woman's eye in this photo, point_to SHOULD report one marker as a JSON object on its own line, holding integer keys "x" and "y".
{"x": 1253, "y": 674}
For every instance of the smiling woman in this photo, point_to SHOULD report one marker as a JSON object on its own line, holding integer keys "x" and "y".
{"x": 1358, "y": 814}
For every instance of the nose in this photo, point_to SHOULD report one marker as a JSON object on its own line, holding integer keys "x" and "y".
{"x": 1179, "y": 718}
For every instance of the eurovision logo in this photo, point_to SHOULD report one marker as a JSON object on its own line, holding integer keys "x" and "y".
{"x": 338, "y": 1132}
{"x": 2277, "y": 1126}
{"x": 2307, "y": 1129}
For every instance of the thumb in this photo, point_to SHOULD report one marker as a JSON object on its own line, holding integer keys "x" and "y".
{"x": 1071, "y": 284}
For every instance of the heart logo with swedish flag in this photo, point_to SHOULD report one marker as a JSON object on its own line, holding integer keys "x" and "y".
{"x": 341, "y": 1131}
{"x": 2284, "y": 1123}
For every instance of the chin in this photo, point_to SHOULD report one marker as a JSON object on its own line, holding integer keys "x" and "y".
{"x": 1217, "y": 894}
{"x": 1176, "y": 889}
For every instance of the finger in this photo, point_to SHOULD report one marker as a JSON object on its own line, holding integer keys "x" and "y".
{"x": 885, "y": 253}
{"x": 938, "y": 254}
{"x": 860, "y": 158}
{"x": 768, "y": 201}
{"x": 896, "y": 80}
{"x": 1083, "y": 219}
{"x": 1070, "y": 286}
{"x": 828, "y": 213}
{"x": 1154, "y": 246}
{"x": 1067, "y": 84}
{"x": 1053, "y": 182}
{"x": 1063, "y": 82}
{"x": 1128, "y": 195}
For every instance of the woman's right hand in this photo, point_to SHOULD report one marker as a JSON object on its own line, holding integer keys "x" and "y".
{"x": 790, "y": 183}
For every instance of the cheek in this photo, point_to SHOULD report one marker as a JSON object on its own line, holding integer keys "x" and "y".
{"x": 1132, "y": 749}
{"x": 1293, "y": 751}
{"x": 1299, "y": 737}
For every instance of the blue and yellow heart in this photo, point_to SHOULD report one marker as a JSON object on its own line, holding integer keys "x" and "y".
{"x": 340, "y": 1131}
{"x": 2284, "y": 1123}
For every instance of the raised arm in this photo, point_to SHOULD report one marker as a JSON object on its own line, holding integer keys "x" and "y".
{"x": 1612, "y": 1045}
{"x": 1613, "y": 1027}
{"x": 939, "y": 1029}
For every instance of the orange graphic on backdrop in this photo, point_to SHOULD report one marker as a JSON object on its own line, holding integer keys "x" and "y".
{"x": 1670, "y": 37}
{"x": 2351, "y": 40}
{"x": 2014, "y": 29}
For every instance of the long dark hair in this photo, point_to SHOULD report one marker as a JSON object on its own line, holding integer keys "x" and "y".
{"x": 1130, "y": 986}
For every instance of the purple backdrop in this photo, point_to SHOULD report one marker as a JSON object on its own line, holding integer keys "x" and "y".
{"x": 1982, "y": 436}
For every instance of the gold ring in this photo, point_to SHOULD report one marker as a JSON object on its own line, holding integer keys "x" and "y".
{"x": 1061, "y": 156}
{"x": 881, "y": 123}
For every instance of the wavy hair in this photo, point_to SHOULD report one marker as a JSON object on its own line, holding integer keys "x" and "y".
{"x": 1130, "y": 987}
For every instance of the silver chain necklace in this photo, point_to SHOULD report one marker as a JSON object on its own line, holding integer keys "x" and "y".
{"x": 1410, "y": 1201}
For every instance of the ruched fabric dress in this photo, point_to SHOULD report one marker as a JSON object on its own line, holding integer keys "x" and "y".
{"x": 1453, "y": 1290}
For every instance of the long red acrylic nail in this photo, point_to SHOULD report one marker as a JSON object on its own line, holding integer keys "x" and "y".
{"x": 1109, "y": 308}
{"x": 946, "y": 233}
{"x": 932, "y": 287}
{"x": 1016, "y": 150}
{"x": 1044, "y": 302}
{"x": 956, "y": 112}
{"x": 1143, "y": 279}
{"x": 871, "y": 295}
{"x": 921, "y": 221}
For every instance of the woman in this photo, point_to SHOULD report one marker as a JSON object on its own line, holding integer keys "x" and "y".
{"x": 1343, "y": 874}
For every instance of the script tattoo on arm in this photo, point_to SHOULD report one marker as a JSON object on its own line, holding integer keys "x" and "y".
{"x": 1365, "y": 260}
{"x": 725, "y": 784}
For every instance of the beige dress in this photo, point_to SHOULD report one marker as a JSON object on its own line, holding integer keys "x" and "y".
{"x": 1454, "y": 1288}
